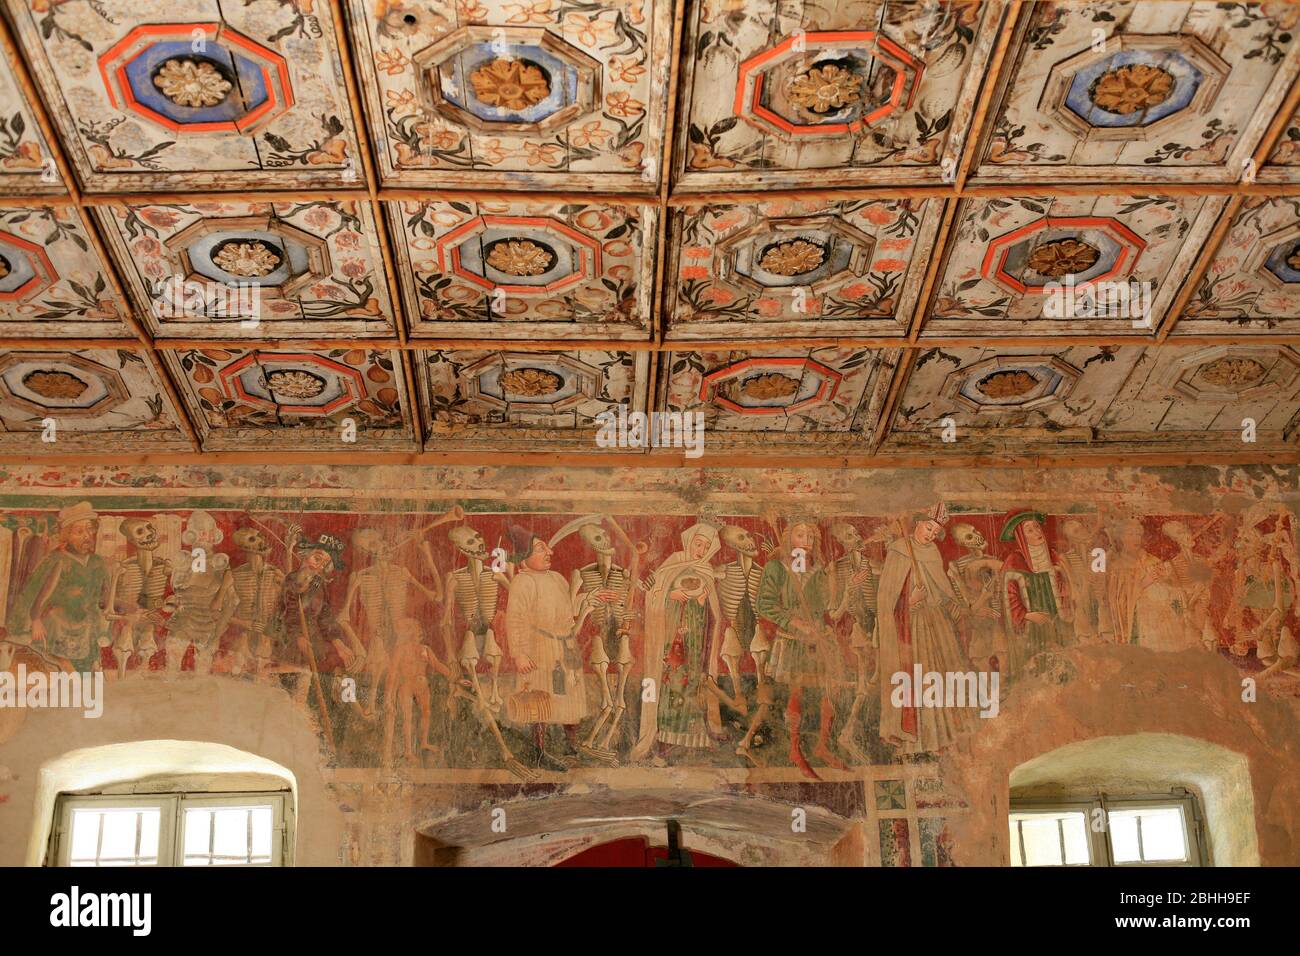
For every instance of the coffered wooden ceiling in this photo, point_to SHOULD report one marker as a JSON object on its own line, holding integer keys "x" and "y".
{"x": 474, "y": 225}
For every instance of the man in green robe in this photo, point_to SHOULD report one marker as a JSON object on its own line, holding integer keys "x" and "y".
{"x": 62, "y": 604}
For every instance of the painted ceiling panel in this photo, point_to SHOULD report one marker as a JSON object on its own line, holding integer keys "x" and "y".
{"x": 1090, "y": 398}
{"x": 253, "y": 270}
{"x": 1150, "y": 89}
{"x": 193, "y": 93}
{"x": 52, "y": 281}
{"x": 83, "y": 400}
{"x": 799, "y": 267}
{"x": 507, "y": 269}
{"x": 828, "y": 228}
{"x": 26, "y": 165}
{"x": 554, "y": 94}
{"x": 1253, "y": 282}
{"x": 489, "y": 399}
{"x": 827, "y": 399}
{"x": 793, "y": 94}
{"x": 1010, "y": 256}
{"x": 302, "y": 400}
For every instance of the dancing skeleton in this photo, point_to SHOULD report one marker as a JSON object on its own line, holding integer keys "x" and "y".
{"x": 472, "y": 593}
{"x": 606, "y": 588}
{"x": 137, "y": 594}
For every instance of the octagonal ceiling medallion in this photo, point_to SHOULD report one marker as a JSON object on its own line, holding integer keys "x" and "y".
{"x": 60, "y": 384}
{"x": 1232, "y": 373}
{"x": 517, "y": 79}
{"x": 1137, "y": 84}
{"x": 25, "y": 269}
{"x": 770, "y": 386}
{"x": 515, "y": 382}
{"x": 278, "y": 258}
{"x": 521, "y": 255}
{"x": 1019, "y": 382}
{"x": 1080, "y": 249}
{"x": 826, "y": 84}
{"x": 196, "y": 78}
{"x": 296, "y": 383}
{"x": 814, "y": 253}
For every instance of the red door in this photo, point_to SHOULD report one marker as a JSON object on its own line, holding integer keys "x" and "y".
{"x": 636, "y": 852}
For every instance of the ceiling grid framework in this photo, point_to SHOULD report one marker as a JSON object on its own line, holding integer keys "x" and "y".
{"x": 470, "y": 227}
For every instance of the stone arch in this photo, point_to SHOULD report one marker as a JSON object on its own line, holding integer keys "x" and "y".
{"x": 1153, "y": 763}
{"x": 1191, "y": 702}
{"x": 150, "y": 766}
{"x": 743, "y": 828}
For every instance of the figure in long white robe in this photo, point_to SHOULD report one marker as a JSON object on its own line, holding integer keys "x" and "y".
{"x": 917, "y": 609}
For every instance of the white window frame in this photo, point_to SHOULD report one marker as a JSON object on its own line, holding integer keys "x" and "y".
{"x": 1100, "y": 851}
{"x": 171, "y": 836}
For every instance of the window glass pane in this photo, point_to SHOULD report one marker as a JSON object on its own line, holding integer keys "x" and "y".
{"x": 1124, "y": 836}
{"x": 1076, "y": 839}
{"x": 262, "y": 819}
{"x": 216, "y": 836}
{"x": 85, "y": 834}
{"x": 1042, "y": 840}
{"x": 108, "y": 837}
{"x": 1163, "y": 836}
{"x": 197, "y": 837}
{"x": 231, "y": 841}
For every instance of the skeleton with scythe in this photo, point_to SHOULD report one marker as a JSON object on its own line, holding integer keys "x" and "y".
{"x": 606, "y": 589}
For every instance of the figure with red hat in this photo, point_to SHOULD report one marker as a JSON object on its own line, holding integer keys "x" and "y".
{"x": 1038, "y": 608}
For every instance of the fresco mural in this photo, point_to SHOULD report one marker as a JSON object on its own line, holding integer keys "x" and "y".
{"x": 463, "y": 635}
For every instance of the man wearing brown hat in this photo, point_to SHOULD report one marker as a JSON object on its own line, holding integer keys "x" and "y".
{"x": 62, "y": 604}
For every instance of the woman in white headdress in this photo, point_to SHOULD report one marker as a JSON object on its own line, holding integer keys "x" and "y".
{"x": 683, "y": 629}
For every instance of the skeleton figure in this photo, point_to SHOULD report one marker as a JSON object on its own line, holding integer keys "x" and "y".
{"x": 976, "y": 578}
{"x": 383, "y": 590}
{"x": 854, "y": 580}
{"x": 472, "y": 593}
{"x": 257, "y": 585}
{"x": 204, "y": 593}
{"x": 737, "y": 592}
{"x": 137, "y": 592}
{"x": 606, "y": 587}
{"x": 1193, "y": 573}
{"x": 738, "y": 584}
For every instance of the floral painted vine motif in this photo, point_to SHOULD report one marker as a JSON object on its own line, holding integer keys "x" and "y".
{"x": 332, "y": 150}
{"x": 16, "y": 152}
{"x": 107, "y": 156}
{"x": 1218, "y": 137}
{"x": 77, "y": 295}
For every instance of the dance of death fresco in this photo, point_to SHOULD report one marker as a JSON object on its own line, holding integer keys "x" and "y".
{"x": 547, "y": 642}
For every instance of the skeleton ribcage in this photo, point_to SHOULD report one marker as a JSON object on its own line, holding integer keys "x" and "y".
{"x": 257, "y": 594}
{"x": 862, "y": 597}
{"x": 608, "y": 617}
{"x": 478, "y": 604}
{"x": 137, "y": 588}
{"x": 735, "y": 589}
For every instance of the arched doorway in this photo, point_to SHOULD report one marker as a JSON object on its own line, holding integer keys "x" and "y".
{"x": 629, "y": 828}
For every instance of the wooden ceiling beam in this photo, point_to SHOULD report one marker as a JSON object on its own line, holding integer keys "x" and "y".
{"x": 1101, "y": 458}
